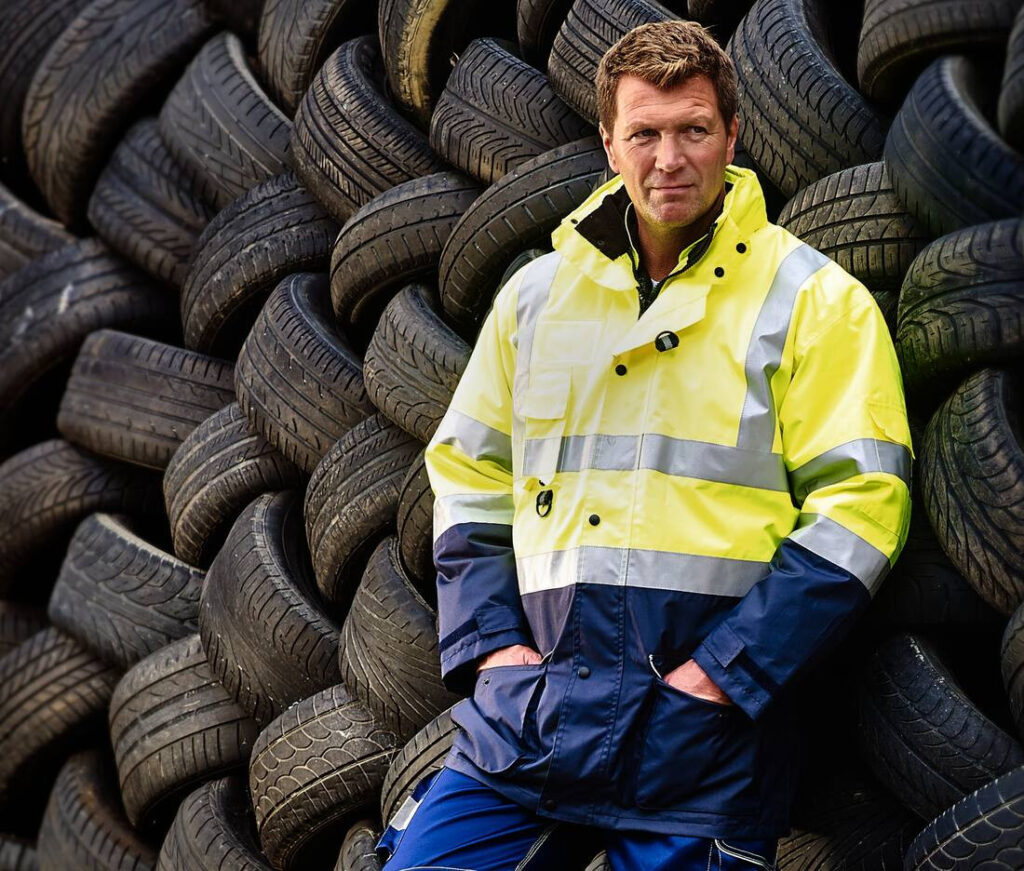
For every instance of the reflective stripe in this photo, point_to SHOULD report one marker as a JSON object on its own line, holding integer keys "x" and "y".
{"x": 472, "y": 508}
{"x": 649, "y": 569}
{"x": 764, "y": 356}
{"x": 835, "y": 543}
{"x": 476, "y": 440}
{"x": 854, "y": 458}
{"x": 404, "y": 815}
{"x": 660, "y": 453}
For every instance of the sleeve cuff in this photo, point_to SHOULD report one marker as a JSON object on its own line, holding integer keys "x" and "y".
{"x": 458, "y": 663}
{"x": 719, "y": 656}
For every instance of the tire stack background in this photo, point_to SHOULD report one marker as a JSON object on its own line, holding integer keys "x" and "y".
{"x": 245, "y": 249}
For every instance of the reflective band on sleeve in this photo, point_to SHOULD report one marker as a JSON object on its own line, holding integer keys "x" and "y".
{"x": 476, "y": 440}
{"x": 649, "y": 569}
{"x": 459, "y": 508}
{"x": 854, "y": 458}
{"x": 705, "y": 461}
{"x": 835, "y": 543}
{"x": 764, "y": 356}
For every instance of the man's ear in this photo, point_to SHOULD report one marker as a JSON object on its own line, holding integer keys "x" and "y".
{"x": 734, "y": 132}
{"x": 606, "y": 141}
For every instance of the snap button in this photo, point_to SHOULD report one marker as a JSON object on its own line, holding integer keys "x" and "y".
{"x": 593, "y": 520}
{"x": 741, "y": 248}
{"x": 620, "y": 369}
{"x": 584, "y": 672}
{"x": 550, "y": 804}
{"x": 666, "y": 341}
{"x": 719, "y": 271}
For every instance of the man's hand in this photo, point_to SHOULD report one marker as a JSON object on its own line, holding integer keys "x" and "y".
{"x": 517, "y": 654}
{"x": 692, "y": 679}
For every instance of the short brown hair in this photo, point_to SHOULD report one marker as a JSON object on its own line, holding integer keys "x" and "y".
{"x": 666, "y": 54}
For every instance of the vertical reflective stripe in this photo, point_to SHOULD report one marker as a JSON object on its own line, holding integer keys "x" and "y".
{"x": 837, "y": 544}
{"x": 854, "y": 458}
{"x": 459, "y": 508}
{"x": 764, "y": 356}
{"x": 476, "y": 440}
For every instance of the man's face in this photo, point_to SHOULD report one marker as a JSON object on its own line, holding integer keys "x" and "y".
{"x": 671, "y": 148}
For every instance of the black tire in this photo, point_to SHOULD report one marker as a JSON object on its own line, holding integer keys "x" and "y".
{"x": 19, "y": 623}
{"x": 17, "y": 854}
{"x": 275, "y": 229}
{"x": 266, "y": 635}
{"x": 518, "y": 212}
{"x": 299, "y": 382}
{"x": 121, "y": 597}
{"x": 315, "y": 766}
{"x": 948, "y": 166}
{"x": 48, "y": 307}
{"x": 219, "y": 122}
{"x": 296, "y": 36}
{"x": 414, "y": 362}
{"x": 84, "y": 827}
{"x": 962, "y": 306}
{"x": 351, "y": 502}
{"x": 497, "y": 112}
{"x": 53, "y": 698}
{"x": 1010, "y": 109}
{"x": 388, "y": 654}
{"x": 1011, "y": 658}
{"x": 221, "y": 466}
{"x": 148, "y": 207}
{"x": 46, "y": 490}
{"x": 214, "y": 830}
{"x": 855, "y": 218}
{"x": 423, "y": 754}
{"x": 589, "y": 30}
{"x": 921, "y": 735}
{"x": 97, "y": 77}
{"x": 349, "y": 143}
{"x": 416, "y": 532}
{"x": 394, "y": 239}
{"x": 537, "y": 25}
{"x": 136, "y": 400}
{"x": 985, "y": 830}
{"x": 801, "y": 119}
{"x": 25, "y": 234}
{"x": 721, "y": 17}
{"x": 972, "y": 482}
{"x": 173, "y": 726}
{"x": 357, "y": 850}
{"x": 898, "y": 39}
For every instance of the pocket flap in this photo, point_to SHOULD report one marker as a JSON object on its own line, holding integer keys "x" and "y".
{"x": 547, "y": 397}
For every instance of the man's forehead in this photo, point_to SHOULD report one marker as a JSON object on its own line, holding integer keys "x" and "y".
{"x": 637, "y": 99}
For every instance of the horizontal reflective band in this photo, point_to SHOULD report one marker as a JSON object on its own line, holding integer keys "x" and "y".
{"x": 476, "y": 440}
{"x": 459, "y": 508}
{"x": 834, "y": 542}
{"x": 764, "y": 356}
{"x": 660, "y": 453}
{"x": 854, "y": 458}
{"x": 650, "y": 569}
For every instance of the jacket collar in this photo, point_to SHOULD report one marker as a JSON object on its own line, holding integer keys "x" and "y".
{"x": 593, "y": 237}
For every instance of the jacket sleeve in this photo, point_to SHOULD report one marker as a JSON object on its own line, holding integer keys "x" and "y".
{"x": 846, "y": 444}
{"x": 469, "y": 462}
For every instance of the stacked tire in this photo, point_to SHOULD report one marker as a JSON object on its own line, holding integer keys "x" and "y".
{"x": 245, "y": 250}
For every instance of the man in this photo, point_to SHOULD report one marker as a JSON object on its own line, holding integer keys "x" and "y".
{"x": 674, "y": 473}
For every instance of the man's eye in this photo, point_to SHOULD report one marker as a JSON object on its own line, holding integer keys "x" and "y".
{"x": 698, "y": 130}
{"x": 643, "y": 134}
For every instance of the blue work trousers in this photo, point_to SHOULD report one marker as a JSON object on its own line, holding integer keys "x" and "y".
{"x": 454, "y": 823}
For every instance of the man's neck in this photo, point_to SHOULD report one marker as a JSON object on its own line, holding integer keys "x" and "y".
{"x": 659, "y": 253}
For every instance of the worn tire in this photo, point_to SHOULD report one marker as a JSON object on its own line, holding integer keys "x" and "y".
{"x": 120, "y": 596}
{"x": 948, "y": 166}
{"x": 802, "y": 120}
{"x": 414, "y": 362}
{"x": 497, "y": 112}
{"x": 351, "y": 502}
{"x": 219, "y": 122}
{"x": 25, "y": 234}
{"x": 148, "y": 207}
{"x": 173, "y": 726}
{"x": 518, "y": 212}
{"x": 267, "y": 637}
{"x": 349, "y": 143}
{"x": 972, "y": 482}
{"x": 357, "y": 850}
{"x": 136, "y": 400}
{"x": 537, "y": 25}
{"x": 1010, "y": 109}
{"x": 416, "y": 530}
{"x": 264, "y": 236}
{"x": 221, "y": 466}
{"x": 18, "y": 623}
{"x": 394, "y": 239}
{"x": 298, "y": 380}
{"x": 423, "y": 754}
{"x": 312, "y": 768}
{"x": 96, "y": 78}
{"x": 1011, "y": 658}
{"x": 17, "y": 854}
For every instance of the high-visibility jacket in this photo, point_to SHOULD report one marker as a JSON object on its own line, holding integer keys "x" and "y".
{"x": 724, "y": 478}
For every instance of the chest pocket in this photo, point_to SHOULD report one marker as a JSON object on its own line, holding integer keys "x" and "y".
{"x": 543, "y": 411}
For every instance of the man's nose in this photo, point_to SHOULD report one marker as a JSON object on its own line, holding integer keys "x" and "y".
{"x": 671, "y": 155}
